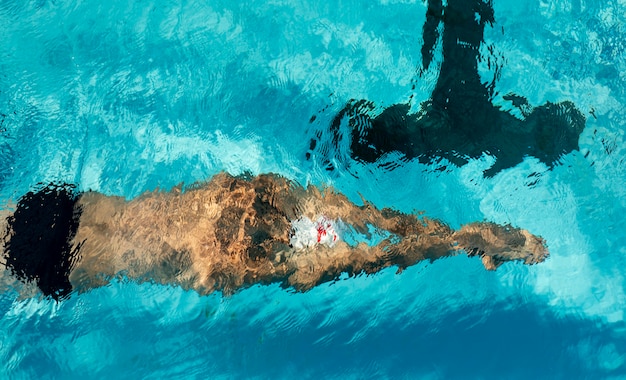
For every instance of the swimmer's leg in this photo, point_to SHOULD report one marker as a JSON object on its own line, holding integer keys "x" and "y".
{"x": 496, "y": 244}
{"x": 421, "y": 238}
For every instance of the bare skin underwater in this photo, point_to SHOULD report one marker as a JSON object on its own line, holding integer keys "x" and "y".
{"x": 232, "y": 232}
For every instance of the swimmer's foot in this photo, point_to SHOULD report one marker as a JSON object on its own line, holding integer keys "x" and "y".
{"x": 496, "y": 244}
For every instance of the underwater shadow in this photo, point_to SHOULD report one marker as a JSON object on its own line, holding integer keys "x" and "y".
{"x": 458, "y": 122}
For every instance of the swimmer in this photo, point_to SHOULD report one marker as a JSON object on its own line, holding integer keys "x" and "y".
{"x": 227, "y": 234}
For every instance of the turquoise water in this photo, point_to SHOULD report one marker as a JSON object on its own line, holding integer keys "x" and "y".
{"x": 127, "y": 96}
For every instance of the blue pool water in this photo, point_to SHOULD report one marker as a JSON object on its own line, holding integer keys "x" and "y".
{"x": 127, "y": 96}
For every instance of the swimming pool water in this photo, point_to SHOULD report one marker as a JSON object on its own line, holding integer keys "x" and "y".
{"x": 127, "y": 96}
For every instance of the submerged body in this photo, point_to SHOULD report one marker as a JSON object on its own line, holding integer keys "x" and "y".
{"x": 232, "y": 232}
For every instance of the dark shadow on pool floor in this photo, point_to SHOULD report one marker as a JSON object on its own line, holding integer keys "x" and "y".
{"x": 459, "y": 121}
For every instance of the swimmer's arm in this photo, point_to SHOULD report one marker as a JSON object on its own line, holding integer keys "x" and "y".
{"x": 4, "y": 214}
{"x": 5, "y": 278}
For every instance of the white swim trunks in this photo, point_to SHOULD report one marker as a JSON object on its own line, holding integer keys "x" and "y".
{"x": 308, "y": 233}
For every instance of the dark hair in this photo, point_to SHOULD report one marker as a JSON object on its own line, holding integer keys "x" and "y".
{"x": 39, "y": 235}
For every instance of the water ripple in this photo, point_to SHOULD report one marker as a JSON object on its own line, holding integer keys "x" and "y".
{"x": 128, "y": 96}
